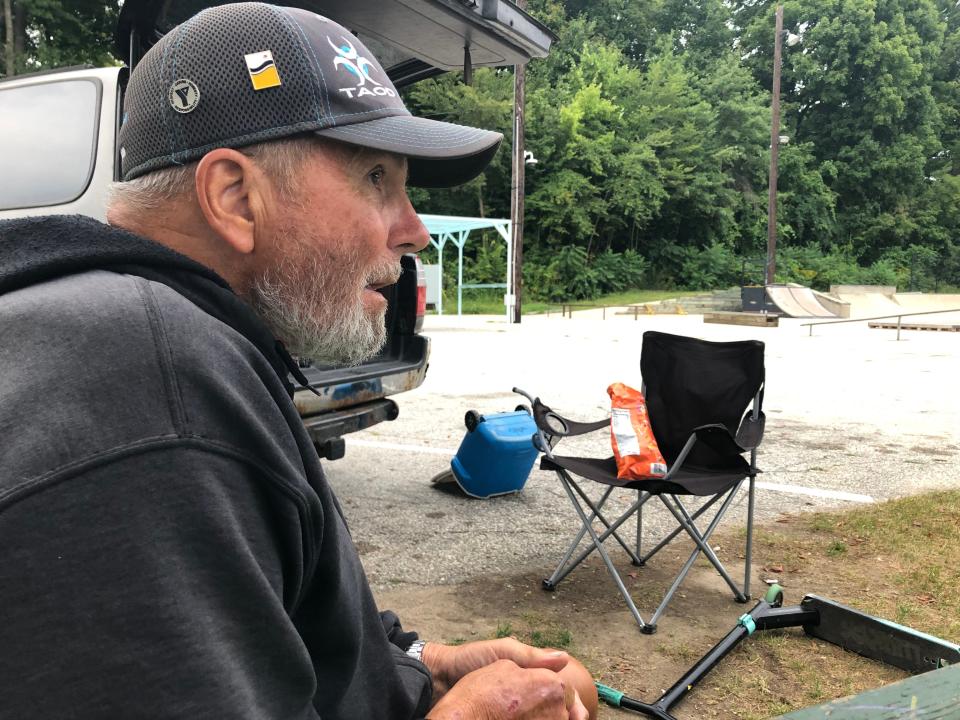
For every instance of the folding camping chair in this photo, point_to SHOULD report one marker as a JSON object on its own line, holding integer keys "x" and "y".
{"x": 705, "y": 405}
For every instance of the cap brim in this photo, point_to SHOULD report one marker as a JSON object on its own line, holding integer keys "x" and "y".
{"x": 439, "y": 154}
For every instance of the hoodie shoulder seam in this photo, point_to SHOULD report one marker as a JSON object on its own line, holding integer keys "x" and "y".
{"x": 172, "y": 390}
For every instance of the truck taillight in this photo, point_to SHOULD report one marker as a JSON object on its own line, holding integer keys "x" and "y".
{"x": 421, "y": 295}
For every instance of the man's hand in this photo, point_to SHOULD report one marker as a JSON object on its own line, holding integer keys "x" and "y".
{"x": 453, "y": 666}
{"x": 504, "y": 691}
{"x": 449, "y": 663}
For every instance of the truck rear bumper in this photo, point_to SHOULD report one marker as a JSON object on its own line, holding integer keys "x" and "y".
{"x": 345, "y": 387}
{"x": 360, "y": 399}
{"x": 325, "y": 429}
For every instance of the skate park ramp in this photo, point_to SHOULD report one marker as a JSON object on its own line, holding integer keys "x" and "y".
{"x": 929, "y": 302}
{"x": 868, "y": 300}
{"x": 879, "y": 300}
{"x": 797, "y": 301}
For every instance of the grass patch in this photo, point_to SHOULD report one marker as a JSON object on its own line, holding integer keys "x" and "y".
{"x": 533, "y": 629}
{"x": 557, "y": 638}
{"x": 681, "y": 651}
{"x": 898, "y": 560}
{"x": 631, "y": 297}
{"x": 837, "y": 547}
{"x": 910, "y": 547}
{"x": 490, "y": 302}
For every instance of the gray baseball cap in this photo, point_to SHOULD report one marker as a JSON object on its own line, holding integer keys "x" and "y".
{"x": 235, "y": 75}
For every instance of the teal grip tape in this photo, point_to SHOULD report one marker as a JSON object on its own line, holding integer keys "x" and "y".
{"x": 747, "y": 621}
{"x": 609, "y": 695}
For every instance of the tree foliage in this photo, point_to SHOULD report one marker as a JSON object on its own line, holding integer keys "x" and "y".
{"x": 650, "y": 122}
{"x": 43, "y": 34}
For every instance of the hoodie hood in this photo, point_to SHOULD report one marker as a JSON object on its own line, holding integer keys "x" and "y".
{"x": 34, "y": 250}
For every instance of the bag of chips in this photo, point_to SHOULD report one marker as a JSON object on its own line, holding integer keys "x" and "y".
{"x": 634, "y": 446}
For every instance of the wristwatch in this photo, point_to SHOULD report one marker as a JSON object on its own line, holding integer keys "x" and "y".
{"x": 416, "y": 650}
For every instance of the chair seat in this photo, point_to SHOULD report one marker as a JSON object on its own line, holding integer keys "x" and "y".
{"x": 687, "y": 481}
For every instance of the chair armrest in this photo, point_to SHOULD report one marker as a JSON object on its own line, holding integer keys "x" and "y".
{"x": 548, "y": 420}
{"x": 750, "y": 432}
{"x": 716, "y": 435}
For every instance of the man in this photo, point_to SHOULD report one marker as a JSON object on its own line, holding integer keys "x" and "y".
{"x": 170, "y": 545}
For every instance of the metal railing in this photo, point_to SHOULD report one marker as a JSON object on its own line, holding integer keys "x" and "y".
{"x": 566, "y": 309}
{"x": 899, "y": 318}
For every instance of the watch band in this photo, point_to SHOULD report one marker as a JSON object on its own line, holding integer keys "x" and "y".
{"x": 416, "y": 650}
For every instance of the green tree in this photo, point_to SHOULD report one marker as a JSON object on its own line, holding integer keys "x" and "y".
{"x": 487, "y": 103}
{"x": 629, "y": 25}
{"x": 700, "y": 29}
{"x": 676, "y": 121}
{"x": 651, "y": 122}
{"x": 859, "y": 91}
{"x": 597, "y": 182}
{"x": 42, "y": 34}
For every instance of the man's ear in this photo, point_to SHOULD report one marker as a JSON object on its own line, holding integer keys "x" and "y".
{"x": 229, "y": 187}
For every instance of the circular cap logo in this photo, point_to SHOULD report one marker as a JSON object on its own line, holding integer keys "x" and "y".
{"x": 184, "y": 96}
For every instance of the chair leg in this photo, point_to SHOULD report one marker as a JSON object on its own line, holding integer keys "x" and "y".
{"x": 599, "y": 516}
{"x": 557, "y": 576}
{"x": 673, "y": 587}
{"x": 565, "y": 566}
{"x": 640, "y": 495}
{"x": 686, "y": 522}
{"x": 684, "y": 519}
{"x": 606, "y": 559}
{"x": 749, "y": 551}
{"x": 679, "y": 529}
{"x": 551, "y": 582}
{"x": 700, "y": 540}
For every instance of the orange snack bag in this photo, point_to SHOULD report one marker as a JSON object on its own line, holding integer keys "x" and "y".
{"x": 634, "y": 446}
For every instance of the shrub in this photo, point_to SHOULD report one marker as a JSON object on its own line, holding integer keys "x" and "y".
{"x": 490, "y": 263}
{"x": 575, "y": 279}
{"x": 619, "y": 271}
{"x": 568, "y": 273}
{"x": 809, "y": 265}
{"x": 882, "y": 272}
{"x": 715, "y": 266}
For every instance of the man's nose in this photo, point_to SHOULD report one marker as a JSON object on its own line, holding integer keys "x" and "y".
{"x": 409, "y": 234}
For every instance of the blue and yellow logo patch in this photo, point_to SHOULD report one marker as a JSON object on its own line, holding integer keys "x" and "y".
{"x": 263, "y": 70}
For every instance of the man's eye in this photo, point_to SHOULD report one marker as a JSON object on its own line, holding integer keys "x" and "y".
{"x": 376, "y": 176}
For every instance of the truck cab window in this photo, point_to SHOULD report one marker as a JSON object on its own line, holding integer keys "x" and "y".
{"x": 48, "y": 140}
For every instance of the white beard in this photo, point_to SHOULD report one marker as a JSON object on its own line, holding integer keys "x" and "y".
{"x": 312, "y": 301}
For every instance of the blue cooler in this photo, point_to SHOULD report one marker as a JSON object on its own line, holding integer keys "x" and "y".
{"x": 496, "y": 455}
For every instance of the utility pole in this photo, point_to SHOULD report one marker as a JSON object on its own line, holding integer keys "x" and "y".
{"x": 774, "y": 154}
{"x": 517, "y": 185}
{"x": 8, "y": 46}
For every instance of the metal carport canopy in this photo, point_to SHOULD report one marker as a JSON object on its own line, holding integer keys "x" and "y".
{"x": 450, "y": 227}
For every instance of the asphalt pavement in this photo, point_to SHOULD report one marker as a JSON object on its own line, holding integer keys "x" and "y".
{"x": 853, "y": 416}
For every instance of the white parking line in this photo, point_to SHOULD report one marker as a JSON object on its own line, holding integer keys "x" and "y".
{"x": 761, "y": 485}
{"x": 815, "y": 492}
{"x": 403, "y": 448}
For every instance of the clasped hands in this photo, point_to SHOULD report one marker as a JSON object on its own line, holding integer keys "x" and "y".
{"x": 494, "y": 679}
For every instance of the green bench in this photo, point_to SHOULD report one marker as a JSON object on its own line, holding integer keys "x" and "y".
{"x": 934, "y": 695}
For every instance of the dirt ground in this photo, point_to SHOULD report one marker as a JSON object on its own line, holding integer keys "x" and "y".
{"x": 771, "y": 673}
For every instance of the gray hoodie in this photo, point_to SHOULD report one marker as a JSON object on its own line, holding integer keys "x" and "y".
{"x": 169, "y": 547}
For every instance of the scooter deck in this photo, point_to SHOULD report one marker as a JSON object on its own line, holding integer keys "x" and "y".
{"x": 878, "y": 639}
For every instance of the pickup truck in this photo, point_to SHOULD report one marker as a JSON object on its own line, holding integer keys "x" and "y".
{"x": 58, "y": 146}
